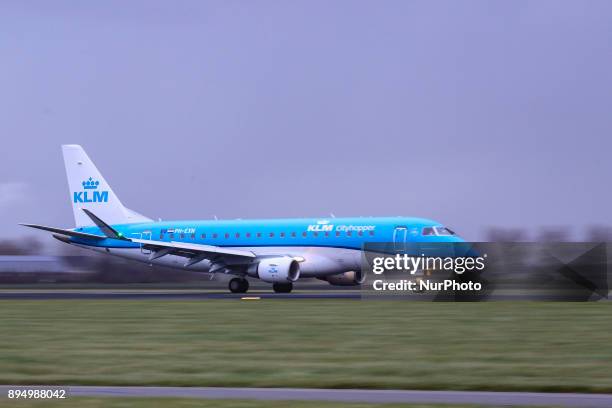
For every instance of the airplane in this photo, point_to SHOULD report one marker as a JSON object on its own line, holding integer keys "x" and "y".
{"x": 276, "y": 251}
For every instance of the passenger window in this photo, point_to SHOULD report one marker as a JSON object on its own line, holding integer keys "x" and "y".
{"x": 293, "y": 234}
{"x": 315, "y": 234}
{"x": 203, "y": 236}
{"x": 215, "y": 235}
{"x": 282, "y": 235}
{"x": 171, "y": 235}
{"x": 348, "y": 233}
{"x": 304, "y": 234}
{"x": 371, "y": 233}
{"x": 192, "y": 236}
{"x": 182, "y": 236}
{"x": 161, "y": 235}
{"x": 259, "y": 235}
{"x": 271, "y": 234}
{"x": 237, "y": 235}
{"x": 226, "y": 235}
{"x": 326, "y": 233}
{"x": 360, "y": 233}
{"x": 248, "y": 235}
{"x": 337, "y": 233}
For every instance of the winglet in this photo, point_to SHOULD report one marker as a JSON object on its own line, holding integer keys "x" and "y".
{"x": 109, "y": 231}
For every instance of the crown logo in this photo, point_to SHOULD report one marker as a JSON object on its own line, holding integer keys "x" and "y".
{"x": 90, "y": 184}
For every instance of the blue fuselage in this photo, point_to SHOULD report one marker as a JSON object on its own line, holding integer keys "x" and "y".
{"x": 348, "y": 233}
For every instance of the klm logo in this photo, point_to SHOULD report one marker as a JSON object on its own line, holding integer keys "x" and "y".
{"x": 91, "y": 193}
{"x": 321, "y": 226}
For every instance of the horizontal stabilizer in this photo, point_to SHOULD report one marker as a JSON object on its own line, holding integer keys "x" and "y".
{"x": 66, "y": 232}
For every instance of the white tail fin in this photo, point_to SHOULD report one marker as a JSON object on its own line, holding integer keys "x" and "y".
{"x": 89, "y": 190}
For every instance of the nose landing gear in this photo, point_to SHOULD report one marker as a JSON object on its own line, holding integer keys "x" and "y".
{"x": 238, "y": 285}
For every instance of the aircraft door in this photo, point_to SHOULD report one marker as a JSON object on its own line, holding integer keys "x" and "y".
{"x": 145, "y": 235}
{"x": 399, "y": 238}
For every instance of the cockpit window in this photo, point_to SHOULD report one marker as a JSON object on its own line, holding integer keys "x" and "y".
{"x": 428, "y": 231}
{"x": 443, "y": 231}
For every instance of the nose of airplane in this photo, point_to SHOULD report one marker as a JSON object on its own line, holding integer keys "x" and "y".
{"x": 460, "y": 246}
{"x": 465, "y": 248}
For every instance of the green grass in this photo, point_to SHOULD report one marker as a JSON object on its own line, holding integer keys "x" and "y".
{"x": 115, "y": 402}
{"x": 303, "y": 343}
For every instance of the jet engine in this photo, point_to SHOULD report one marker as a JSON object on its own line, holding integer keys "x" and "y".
{"x": 273, "y": 270}
{"x": 350, "y": 278}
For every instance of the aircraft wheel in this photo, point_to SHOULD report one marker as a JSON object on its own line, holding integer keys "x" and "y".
{"x": 245, "y": 285}
{"x": 238, "y": 285}
{"x": 282, "y": 287}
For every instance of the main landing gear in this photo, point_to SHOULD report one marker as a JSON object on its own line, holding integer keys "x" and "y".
{"x": 238, "y": 285}
{"x": 241, "y": 285}
{"x": 282, "y": 287}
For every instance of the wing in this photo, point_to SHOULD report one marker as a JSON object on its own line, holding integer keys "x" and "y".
{"x": 227, "y": 259}
{"x": 220, "y": 257}
{"x": 66, "y": 232}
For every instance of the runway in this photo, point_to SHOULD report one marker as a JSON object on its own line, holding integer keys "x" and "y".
{"x": 126, "y": 294}
{"x": 337, "y": 395}
{"x": 169, "y": 295}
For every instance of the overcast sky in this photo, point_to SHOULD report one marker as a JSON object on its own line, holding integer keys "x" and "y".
{"x": 472, "y": 113}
